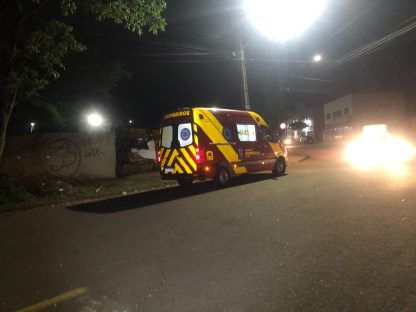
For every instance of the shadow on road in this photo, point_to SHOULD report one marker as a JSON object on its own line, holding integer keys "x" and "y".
{"x": 144, "y": 199}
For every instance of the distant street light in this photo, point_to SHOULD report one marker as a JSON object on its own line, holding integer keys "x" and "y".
{"x": 283, "y": 126}
{"x": 94, "y": 120}
{"x": 281, "y": 20}
{"x": 317, "y": 58}
{"x": 32, "y": 126}
{"x": 130, "y": 122}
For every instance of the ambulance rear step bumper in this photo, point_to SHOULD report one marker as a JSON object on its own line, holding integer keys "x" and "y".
{"x": 195, "y": 176}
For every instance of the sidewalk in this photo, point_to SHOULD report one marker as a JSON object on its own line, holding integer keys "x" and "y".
{"x": 68, "y": 194}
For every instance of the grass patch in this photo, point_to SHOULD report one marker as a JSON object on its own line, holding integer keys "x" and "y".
{"x": 11, "y": 193}
{"x": 18, "y": 195}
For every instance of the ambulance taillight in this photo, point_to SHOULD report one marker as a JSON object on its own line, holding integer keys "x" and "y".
{"x": 158, "y": 156}
{"x": 198, "y": 155}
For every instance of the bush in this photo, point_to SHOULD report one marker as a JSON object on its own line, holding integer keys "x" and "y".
{"x": 11, "y": 193}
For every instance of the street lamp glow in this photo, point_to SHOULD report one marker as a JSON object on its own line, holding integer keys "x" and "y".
{"x": 283, "y": 126}
{"x": 317, "y": 58}
{"x": 281, "y": 20}
{"x": 95, "y": 120}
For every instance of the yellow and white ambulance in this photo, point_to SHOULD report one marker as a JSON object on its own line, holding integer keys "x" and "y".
{"x": 210, "y": 143}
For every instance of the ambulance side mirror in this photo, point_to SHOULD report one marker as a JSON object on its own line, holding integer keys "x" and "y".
{"x": 267, "y": 138}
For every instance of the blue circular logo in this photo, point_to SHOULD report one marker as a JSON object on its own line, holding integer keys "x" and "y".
{"x": 227, "y": 133}
{"x": 185, "y": 134}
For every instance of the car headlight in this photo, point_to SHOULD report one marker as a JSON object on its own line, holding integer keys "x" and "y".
{"x": 287, "y": 141}
{"x": 369, "y": 152}
{"x": 402, "y": 150}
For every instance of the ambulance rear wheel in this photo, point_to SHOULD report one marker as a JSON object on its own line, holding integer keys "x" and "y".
{"x": 223, "y": 177}
{"x": 185, "y": 182}
{"x": 279, "y": 167}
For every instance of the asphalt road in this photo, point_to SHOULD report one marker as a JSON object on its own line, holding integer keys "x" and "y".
{"x": 325, "y": 237}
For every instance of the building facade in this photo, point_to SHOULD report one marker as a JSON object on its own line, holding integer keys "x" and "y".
{"x": 346, "y": 116}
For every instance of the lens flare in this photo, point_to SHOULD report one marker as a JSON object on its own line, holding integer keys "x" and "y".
{"x": 281, "y": 20}
{"x": 388, "y": 151}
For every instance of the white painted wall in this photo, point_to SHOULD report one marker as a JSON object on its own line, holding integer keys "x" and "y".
{"x": 338, "y": 105}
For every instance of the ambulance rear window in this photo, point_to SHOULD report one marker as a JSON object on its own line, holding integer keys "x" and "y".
{"x": 185, "y": 134}
{"x": 167, "y": 136}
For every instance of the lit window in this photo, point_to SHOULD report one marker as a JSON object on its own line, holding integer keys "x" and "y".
{"x": 246, "y": 133}
{"x": 167, "y": 136}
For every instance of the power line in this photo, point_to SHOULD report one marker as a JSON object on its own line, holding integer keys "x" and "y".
{"x": 370, "y": 7}
{"x": 285, "y": 61}
{"x": 174, "y": 54}
{"x": 182, "y": 61}
{"x": 184, "y": 47}
{"x": 217, "y": 58}
{"x": 372, "y": 46}
{"x": 377, "y": 44}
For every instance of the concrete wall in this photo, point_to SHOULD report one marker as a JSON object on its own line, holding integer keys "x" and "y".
{"x": 318, "y": 122}
{"x": 62, "y": 155}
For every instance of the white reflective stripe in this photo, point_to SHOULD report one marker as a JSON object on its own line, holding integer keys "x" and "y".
{"x": 185, "y": 135}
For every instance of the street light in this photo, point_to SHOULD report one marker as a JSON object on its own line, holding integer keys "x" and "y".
{"x": 281, "y": 20}
{"x": 317, "y": 58}
{"x": 94, "y": 120}
{"x": 32, "y": 126}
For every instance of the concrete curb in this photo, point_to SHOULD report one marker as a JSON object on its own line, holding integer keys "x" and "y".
{"x": 297, "y": 159}
{"x": 74, "y": 202}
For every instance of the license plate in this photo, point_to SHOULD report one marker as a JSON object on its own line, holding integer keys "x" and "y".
{"x": 168, "y": 170}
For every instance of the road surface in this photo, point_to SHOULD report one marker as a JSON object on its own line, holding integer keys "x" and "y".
{"x": 325, "y": 237}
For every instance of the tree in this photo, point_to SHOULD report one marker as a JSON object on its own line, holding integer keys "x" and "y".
{"x": 37, "y": 36}
{"x": 59, "y": 105}
{"x": 298, "y": 125}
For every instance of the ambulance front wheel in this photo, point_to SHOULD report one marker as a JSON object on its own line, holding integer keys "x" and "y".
{"x": 280, "y": 167}
{"x": 223, "y": 177}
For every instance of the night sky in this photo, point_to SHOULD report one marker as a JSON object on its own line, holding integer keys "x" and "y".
{"x": 192, "y": 62}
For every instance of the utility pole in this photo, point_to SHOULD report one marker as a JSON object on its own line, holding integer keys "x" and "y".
{"x": 244, "y": 72}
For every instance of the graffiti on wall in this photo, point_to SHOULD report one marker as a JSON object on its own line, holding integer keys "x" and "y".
{"x": 61, "y": 157}
{"x": 93, "y": 153}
